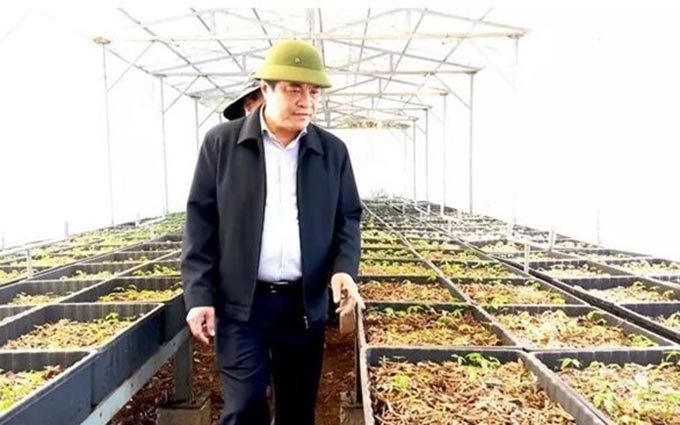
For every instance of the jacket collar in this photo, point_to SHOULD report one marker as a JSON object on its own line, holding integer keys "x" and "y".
{"x": 251, "y": 130}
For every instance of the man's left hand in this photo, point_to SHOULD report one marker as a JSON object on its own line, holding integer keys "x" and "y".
{"x": 345, "y": 289}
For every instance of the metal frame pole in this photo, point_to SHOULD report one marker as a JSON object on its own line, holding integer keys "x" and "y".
{"x": 109, "y": 166}
{"x": 444, "y": 142}
{"x": 165, "y": 155}
{"x": 198, "y": 141}
{"x": 415, "y": 182}
{"x": 427, "y": 160}
{"x": 471, "y": 156}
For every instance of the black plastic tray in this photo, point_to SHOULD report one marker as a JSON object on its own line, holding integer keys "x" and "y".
{"x": 63, "y": 400}
{"x": 582, "y": 253}
{"x": 38, "y": 287}
{"x": 651, "y": 260}
{"x": 571, "y": 311}
{"x": 535, "y": 265}
{"x": 127, "y": 257}
{"x": 154, "y": 246}
{"x": 547, "y": 380}
{"x": 644, "y": 314}
{"x": 67, "y": 272}
{"x": 606, "y": 283}
{"x": 9, "y": 312}
{"x": 116, "y": 359}
{"x": 552, "y": 359}
{"x": 173, "y": 312}
{"x": 519, "y": 274}
{"x": 174, "y": 264}
{"x": 568, "y": 298}
{"x": 483, "y": 318}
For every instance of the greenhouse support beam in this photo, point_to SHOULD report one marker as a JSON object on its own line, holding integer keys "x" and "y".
{"x": 109, "y": 167}
{"x": 471, "y": 142}
{"x": 444, "y": 142}
{"x": 415, "y": 181}
{"x": 427, "y": 160}
{"x": 198, "y": 141}
{"x": 165, "y": 154}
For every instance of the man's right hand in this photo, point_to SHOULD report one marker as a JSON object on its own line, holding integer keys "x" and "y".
{"x": 201, "y": 321}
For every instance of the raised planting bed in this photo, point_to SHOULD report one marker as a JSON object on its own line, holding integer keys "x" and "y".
{"x": 600, "y": 255}
{"x": 396, "y": 245}
{"x": 435, "y": 244}
{"x": 388, "y": 254}
{"x": 648, "y": 267}
{"x": 36, "y": 292}
{"x": 571, "y": 327}
{"x": 573, "y": 244}
{"x": 622, "y": 386}
{"x": 452, "y": 255}
{"x": 378, "y": 234}
{"x": 154, "y": 246}
{"x": 124, "y": 336}
{"x": 513, "y": 291}
{"x": 395, "y": 268}
{"x": 166, "y": 290}
{"x": 45, "y": 387}
{"x": 477, "y": 270}
{"x": 129, "y": 257}
{"x": 518, "y": 257}
{"x": 84, "y": 272}
{"x": 499, "y": 246}
{"x": 458, "y": 386}
{"x": 46, "y": 261}
{"x": 11, "y": 274}
{"x": 402, "y": 324}
{"x": 158, "y": 269}
{"x": 662, "y": 318}
{"x": 409, "y": 290}
{"x": 574, "y": 269}
{"x": 10, "y": 312}
{"x": 619, "y": 290}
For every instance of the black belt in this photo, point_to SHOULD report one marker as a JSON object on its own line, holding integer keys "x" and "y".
{"x": 283, "y": 285}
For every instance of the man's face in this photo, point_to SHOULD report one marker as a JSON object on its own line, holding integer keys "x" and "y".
{"x": 291, "y": 106}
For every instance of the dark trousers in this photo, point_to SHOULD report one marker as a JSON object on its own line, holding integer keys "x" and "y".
{"x": 272, "y": 346}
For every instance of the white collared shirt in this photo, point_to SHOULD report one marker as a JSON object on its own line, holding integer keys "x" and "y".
{"x": 280, "y": 253}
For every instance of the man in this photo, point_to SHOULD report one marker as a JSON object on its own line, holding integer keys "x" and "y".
{"x": 273, "y": 214}
{"x": 246, "y": 102}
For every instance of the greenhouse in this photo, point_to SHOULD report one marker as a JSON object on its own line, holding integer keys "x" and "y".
{"x": 513, "y": 168}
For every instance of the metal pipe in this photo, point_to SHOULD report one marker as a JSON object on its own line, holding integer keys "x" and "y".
{"x": 108, "y": 136}
{"x": 471, "y": 156}
{"x": 165, "y": 155}
{"x": 444, "y": 142}
{"x": 427, "y": 160}
{"x": 415, "y": 182}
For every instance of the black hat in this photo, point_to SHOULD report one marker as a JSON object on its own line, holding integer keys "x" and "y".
{"x": 234, "y": 110}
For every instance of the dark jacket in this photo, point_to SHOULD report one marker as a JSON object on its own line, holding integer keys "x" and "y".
{"x": 225, "y": 215}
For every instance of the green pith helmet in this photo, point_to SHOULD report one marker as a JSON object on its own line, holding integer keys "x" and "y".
{"x": 296, "y": 61}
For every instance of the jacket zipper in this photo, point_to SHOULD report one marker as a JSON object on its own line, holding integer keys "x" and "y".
{"x": 298, "y": 193}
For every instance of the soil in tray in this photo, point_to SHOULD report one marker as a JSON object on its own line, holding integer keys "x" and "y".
{"x": 15, "y": 386}
{"x": 8, "y": 276}
{"x": 387, "y": 253}
{"x": 672, "y": 321}
{"x": 421, "y": 325}
{"x": 470, "y": 390}
{"x": 131, "y": 293}
{"x": 157, "y": 270}
{"x": 498, "y": 293}
{"x": 404, "y": 290}
{"x": 67, "y": 333}
{"x": 394, "y": 268}
{"x": 396, "y": 245}
{"x": 629, "y": 393}
{"x": 533, "y": 256}
{"x": 80, "y": 274}
{"x": 476, "y": 270}
{"x": 637, "y": 292}
{"x": 423, "y": 244}
{"x": 571, "y": 271}
{"x": 554, "y": 329}
{"x": 498, "y": 247}
{"x": 29, "y": 299}
{"x": 594, "y": 256}
{"x": 378, "y": 234}
{"x": 450, "y": 255}
{"x": 646, "y": 268}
